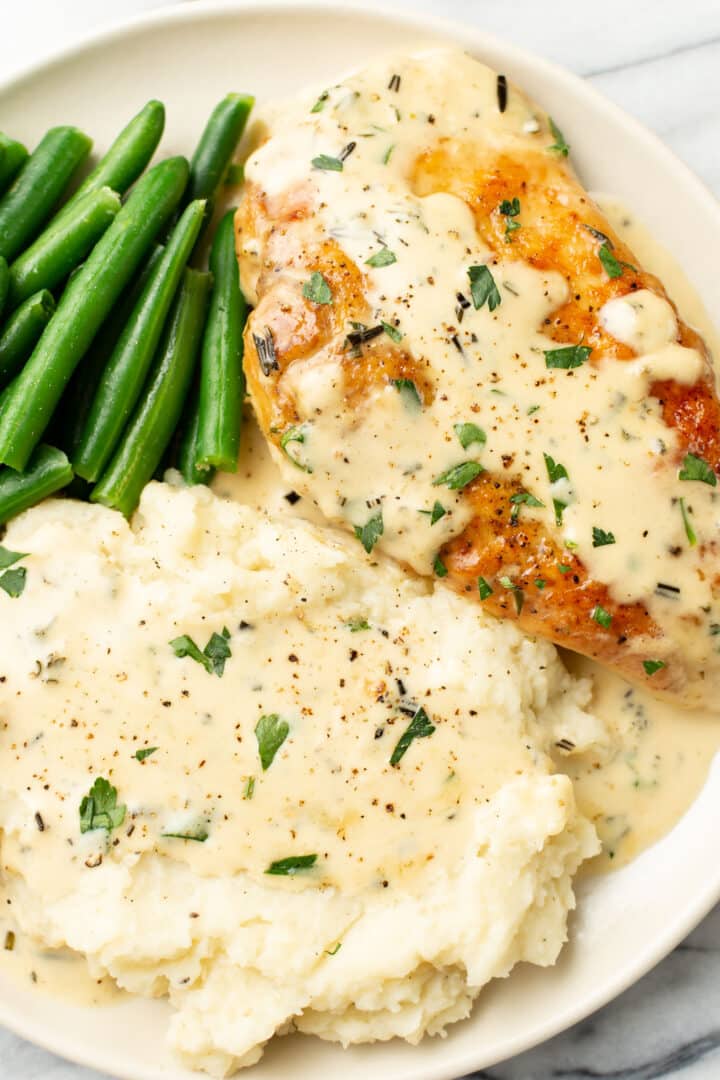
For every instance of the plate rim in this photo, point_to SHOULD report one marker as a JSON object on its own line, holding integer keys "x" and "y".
{"x": 473, "y": 38}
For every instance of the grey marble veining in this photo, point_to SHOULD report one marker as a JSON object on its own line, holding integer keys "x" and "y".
{"x": 659, "y": 60}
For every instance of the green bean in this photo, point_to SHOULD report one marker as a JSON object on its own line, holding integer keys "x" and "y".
{"x": 22, "y": 331}
{"x": 188, "y": 444}
{"x": 128, "y": 155}
{"x": 123, "y": 379}
{"x": 74, "y": 408}
{"x": 13, "y": 156}
{"x": 222, "y": 385}
{"x": 37, "y": 189}
{"x": 84, "y": 305}
{"x": 63, "y": 245}
{"x": 4, "y": 282}
{"x": 156, "y": 417}
{"x": 217, "y": 145}
{"x": 48, "y": 471}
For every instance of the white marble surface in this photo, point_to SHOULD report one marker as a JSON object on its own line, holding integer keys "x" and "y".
{"x": 660, "y": 60}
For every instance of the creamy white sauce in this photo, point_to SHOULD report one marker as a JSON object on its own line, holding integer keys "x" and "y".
{"x": 598, "y": 420}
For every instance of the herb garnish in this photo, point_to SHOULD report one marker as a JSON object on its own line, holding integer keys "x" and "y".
{"x": 213, "y": 656}
{"x": 271, "y": 732}
{"x": 388, "y": 154}
{"x": 361, "y": 334}
{"x": 290, "y": 435}
{"x": 289, "y": 866}
{"x": 392, "y": 332}
{"x": 199, "y": 834}
{"x": 560, "y": 146}
{"x": 9, "y": 558}
{"x": 265, "y": 348}
{"x": 317, "y": 289}
{"x": 483, "y": 288}
{"x": 369, "y": 533}
{"x": 598, "y": 235}
{"x": 556, "y": 472}
{"x": 99, "y": 808}
{"x": 459, "y": 476}
{"x": 439, "y": 567}
{"x": 651, "y": 666}
{"x": 249, "y": 788}
{"x": 383, "y": 257}
{"x": 502, "y": 92}
{"x": 409, "y": 393}
{"x": 540, "y": 582}
{"x": 484, "y": 588}
{"x": 601, "y": 616}
{"x": 321, "y": 101}
{"x": 394, "y": 83}
{"x": 332, "y": 952}
{"x": 695, "y": 468}
{"x": 12, "y": 581}
{"x": 520, "y": 498}
{"x": 689, "y": 531}
{"x": 600, "y": 538}
{"x": 518, "y": 594}
{"x": 145, "y": 752}
{"x": 418, "y": 728}
{"x": 438, "y": 511}
{"x": 327, "y": 163}
{"x": 355, "y": 625}
{"x": 469, "y": 433}
{"x": 510, "y": 209}
{"x": 612, "y": 266}
{"x": 569, "y": 356}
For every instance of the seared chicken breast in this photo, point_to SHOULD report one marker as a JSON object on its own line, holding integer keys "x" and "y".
{"x": 455, "y": 357}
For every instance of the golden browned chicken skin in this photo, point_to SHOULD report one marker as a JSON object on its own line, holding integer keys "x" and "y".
{"x": 553, "y": 592}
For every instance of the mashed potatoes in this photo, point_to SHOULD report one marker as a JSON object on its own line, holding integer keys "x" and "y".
{"x": 329, "y": 803}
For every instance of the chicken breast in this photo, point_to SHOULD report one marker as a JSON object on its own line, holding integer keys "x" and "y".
{"x": 454, "y": 356}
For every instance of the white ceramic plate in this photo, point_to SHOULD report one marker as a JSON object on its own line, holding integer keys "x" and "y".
{"x": 190, "y": 56}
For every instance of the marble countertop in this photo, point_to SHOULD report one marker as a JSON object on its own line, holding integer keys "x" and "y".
{"x": 660, "y": 61}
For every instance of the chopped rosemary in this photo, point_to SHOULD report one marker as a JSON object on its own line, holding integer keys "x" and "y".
{"x": 439, "y": 567}
{"x": 13, "y": 582}
{"x": 392, "y": 332}
{"x": 99, "y": 808}
{"x": 145, "y": 752}
{"x": 612, "y": 266}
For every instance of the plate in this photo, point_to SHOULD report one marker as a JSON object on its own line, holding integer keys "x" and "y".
{"x": 189, "y": 57}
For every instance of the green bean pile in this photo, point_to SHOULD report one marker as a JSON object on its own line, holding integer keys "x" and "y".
{"x": 119, "y": 354}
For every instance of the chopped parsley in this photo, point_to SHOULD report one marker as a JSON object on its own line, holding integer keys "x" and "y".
{"x": 519, "y": 499}
{"x": 369, "y": 533}
{"x": 601, "y": 616}
{"x": 336, "y": 949}
{"x": 695, "y": 468}
{"x": 294, "y": 434}
{"x": 321, "y": 102}
{"x": 510, "y": 210}
{"x": 602, "y": 538}
{"x": 439, "y": 567}
{"x": 289, "y": 866}
{"x": 249, "y": 788}
{"x": 212, "y": 657}
{"x": 532, "y": 409}
{"x": 518, "y": 594}
{"x": 438, "y": 511}
{"x": 271, "y": 732}
{"x": 459, "y": 476}
{"x": 689, "y": 531}
{"x": 145, "y": 752}
{"x": 612, "y": 266}
{"x": 383, "y": 257}
{"x": 560, "y": 146}
{"x": 13, "y": 581}
{"x": 483, "y": 288}
{"x": 569, "y": 356}
{"x": 651, "y": 666}
{"x": 563, "y": 568}
{"x": 484, "y": 588}
{"x": 556, "y": 472}
{"x": 418, "y": 728}
{"x": 540, "y": 582}
{"x": 392, "y": 332}
{"x": 470, "y": 433}
{"x": 317, "y": 289}
{"x": 409, "y": 393}
{"x": 327, "y": 163}
{"x": 357, "y": 624}
{"x": 99, "y": 808}
{"x": 9, "y": 558}
{"x": 198, "y": 833}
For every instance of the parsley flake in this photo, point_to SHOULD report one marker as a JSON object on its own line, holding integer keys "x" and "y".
{"x": 569, "y": 356}
{"x": 612, "y": 266}
{"x": 689, "y": 531}
{"x": 290, "y": 866}
{"x": 651, "y": 666}
{"x": 213, "y": 656}
{"x": 483, "y": 288}
{"x": 317, "y": 289}
{"x": 470, "y": 433}
{"x": 560, "y": 146}
{"x": 392, "y": 332}
{"x": 13, "y": 582}
{"x": 484, "y": 588}
{"x": 510, "y": 210}
{"x": 438, "y": 511}
{"x": 294, "y": 434}
{"x": 409, "y": 393}
{"x": 9, "y": 558}
{"x": 695, "y": 468}
{"x": 439, "y": 567}
{"x": 459, "y": 476}
{"x": 518, "y": 594}
{"x": 540, "y": 582}
{"x": 369, "y": 533}
{"x": 271, "y": 732}
{"x": 519, "y": 499}
{"x": 556, "y": 472}
{"x": 321, "y": 102}
{"x": 600, "y": 538}
{"x": 383, "y": 257}
{"x": 601, "y": 616}
{"x": 145, "y": 752}
{"x": 99, "y": 808}
{"x": 356, "y": 625}
{"x": 198, "y": 833}
{"x": 327, "y": 163}
{"x": 419, "y": 727}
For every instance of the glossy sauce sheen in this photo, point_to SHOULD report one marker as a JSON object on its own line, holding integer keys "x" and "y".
{"x": 371, "y": 186}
